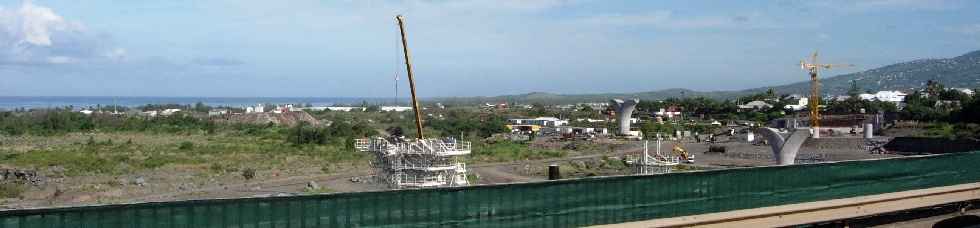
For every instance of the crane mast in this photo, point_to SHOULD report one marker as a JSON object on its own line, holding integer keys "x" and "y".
{"x": 814, "y": 103}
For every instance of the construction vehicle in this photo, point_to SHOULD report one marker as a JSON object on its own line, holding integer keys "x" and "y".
{"x": 683, "y": 154}
{"x": 813, "y": 68}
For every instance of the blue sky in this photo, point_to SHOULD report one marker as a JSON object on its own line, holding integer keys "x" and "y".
{"x": 350, "y": 48}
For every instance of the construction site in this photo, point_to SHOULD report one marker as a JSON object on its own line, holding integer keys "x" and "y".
{"x": 593, "y": 170}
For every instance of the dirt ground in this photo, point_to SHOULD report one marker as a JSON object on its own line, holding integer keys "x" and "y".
{"x": 602, "y": 158}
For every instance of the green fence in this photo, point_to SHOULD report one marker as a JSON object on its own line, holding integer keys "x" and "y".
{"x": 544, "y": 204}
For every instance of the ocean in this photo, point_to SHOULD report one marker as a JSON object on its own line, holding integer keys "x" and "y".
{"x": 11, "y": 102}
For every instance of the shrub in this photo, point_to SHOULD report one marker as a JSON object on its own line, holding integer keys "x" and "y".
{"x": 217, "y": 167}
{"x": 248, "y": 173}
{"x": 186, "y": 145}
{"x": 156, "y": 161}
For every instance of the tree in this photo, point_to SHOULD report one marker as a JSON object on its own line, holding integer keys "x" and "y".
{"x": 200, "y": 107}
{"x": 855, "y": 90}
{"x": 396, "y": 131}
{"x": 933, "y": 88}
{"x": 921, "y": 107}
{"x": 970, "y": 112}
{"x": 538, "y": 109}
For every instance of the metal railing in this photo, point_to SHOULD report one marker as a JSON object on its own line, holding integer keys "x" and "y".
{"x": 424, "y": 147}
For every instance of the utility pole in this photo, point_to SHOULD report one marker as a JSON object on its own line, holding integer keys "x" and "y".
{"x": 411, "y": 76}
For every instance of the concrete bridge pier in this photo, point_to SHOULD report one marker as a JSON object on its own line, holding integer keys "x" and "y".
{"x": 784, "y": 149}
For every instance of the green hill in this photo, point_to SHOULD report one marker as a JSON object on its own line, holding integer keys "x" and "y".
{"x": 959, "y": 72}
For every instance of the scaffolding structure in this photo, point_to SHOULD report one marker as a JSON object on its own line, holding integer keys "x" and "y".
{"x": 656, "y": 163}
{"x": 418, "y": 163}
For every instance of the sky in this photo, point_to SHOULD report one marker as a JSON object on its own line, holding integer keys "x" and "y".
{"x": 305, "y": 48}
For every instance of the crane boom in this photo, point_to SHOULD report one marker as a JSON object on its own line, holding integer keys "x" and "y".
{"x": 411, "y": 77}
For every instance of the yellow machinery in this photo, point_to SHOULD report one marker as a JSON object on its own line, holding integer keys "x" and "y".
{"x": 813, "y": 67}
{"x": 680, "y": 151}
{"x": 524, "y": 127}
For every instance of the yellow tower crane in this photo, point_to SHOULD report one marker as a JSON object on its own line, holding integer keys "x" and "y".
{"x": 813, "y": 67}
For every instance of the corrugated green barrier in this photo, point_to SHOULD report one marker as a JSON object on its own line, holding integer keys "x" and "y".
{"x": 545, "y": 204}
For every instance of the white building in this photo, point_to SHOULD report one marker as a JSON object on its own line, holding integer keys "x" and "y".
{"x": 217, "y": 112}
{"x": 755, "y": 105}
{"x": 800, "y": 104}
{"x": 590, "y": 120}
{"x": 284, "y": 108}
{"x": 346, "y": 109}
{"x": 889, "y": 96}
{"x": 964, "y": 90}
{"x": 86, "y": 112}
{"x": 540, "y": 121}
{"x": 395, "y": 108}
{"x": 670, "y": 114}
{"x": 866, "y": 96}
{"x": 257, "y": 108}
{"x": 169, "y": 111}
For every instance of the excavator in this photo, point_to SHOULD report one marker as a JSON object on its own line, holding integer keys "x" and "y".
{"x": 681, "y": 152}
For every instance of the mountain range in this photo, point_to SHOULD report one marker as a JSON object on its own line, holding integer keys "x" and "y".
{"x": 957, "y": 72}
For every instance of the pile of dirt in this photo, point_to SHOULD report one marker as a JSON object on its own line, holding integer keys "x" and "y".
{"x": 282, "y": 119}
{"x": 924, "y": 145}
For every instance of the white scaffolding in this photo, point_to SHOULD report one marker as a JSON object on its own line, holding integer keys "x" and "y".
{"x": 418, "y": 163}
{"x": 653, "y": 163}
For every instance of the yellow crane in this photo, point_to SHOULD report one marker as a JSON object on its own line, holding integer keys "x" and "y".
{"x": 814, "y": 104}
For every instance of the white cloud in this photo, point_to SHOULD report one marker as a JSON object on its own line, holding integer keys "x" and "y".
{"x": 34, "y": 34}
{"x": 666, "y": 19}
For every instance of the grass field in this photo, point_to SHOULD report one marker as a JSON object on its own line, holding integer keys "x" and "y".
{"x": 112, "y": 159}
{"x": 120, "y": 153}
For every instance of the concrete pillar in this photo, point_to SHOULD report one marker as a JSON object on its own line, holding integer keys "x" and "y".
{"x": 869, "y": 131}
{"x": 815, "y": 132}
{"x": 784, "y": 149}
{"x": 624, "y": 111}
